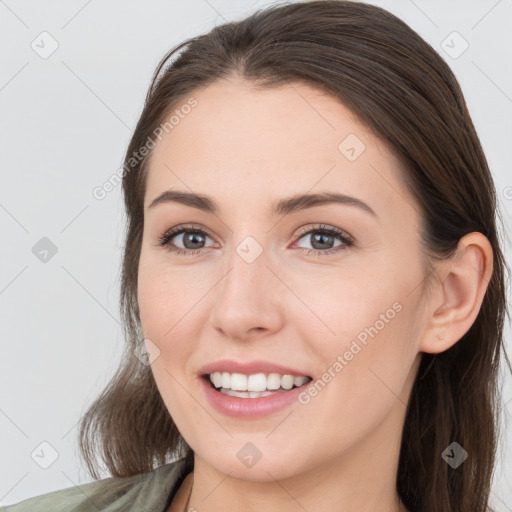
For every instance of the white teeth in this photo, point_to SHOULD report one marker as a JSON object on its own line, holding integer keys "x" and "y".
{"x": 287, "y": 381}
{"x": 239, "y": 382}
{"x": 274, "y": 381}
{"x": 248, "y": 394}
{"x": 255, "y": 384}
{"x": 298, "y": 381}
{"x": 217, "y": 379}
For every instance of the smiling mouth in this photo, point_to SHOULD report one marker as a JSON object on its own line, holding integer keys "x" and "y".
{"x": 254, "y": 386}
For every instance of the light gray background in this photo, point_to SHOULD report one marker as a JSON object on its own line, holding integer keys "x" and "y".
{"x": 66, "y": 122}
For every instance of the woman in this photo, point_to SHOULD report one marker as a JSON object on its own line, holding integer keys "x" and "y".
{"x": 313, "y": 269}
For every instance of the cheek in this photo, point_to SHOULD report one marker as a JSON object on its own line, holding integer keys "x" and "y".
{"x": 170, "y": 302}
{"x": 163, "y": 296}
{"x": 337, "y": 306}
{"x": 363, "y": 339}
{"x": 167, "y": 320}
{"x": 371, "y": 310}
{"x": 375, "y": 336}
{"x": 361, "y": 379}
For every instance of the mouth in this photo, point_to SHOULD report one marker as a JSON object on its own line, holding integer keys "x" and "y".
{"x": 252, "y": 386}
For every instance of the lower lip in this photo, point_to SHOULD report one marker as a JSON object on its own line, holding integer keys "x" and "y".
{"x": 250, "y": 408}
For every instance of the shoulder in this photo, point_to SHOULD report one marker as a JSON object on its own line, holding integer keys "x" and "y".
{"x": 148, "y": 492}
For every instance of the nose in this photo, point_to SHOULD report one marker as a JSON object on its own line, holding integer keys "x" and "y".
{"x": 248, "y": 299}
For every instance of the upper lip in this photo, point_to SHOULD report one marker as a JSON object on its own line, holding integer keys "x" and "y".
{"x": 249, "y": 368}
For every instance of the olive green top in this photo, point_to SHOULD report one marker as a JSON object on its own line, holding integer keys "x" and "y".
{"x": 146, "y": 492}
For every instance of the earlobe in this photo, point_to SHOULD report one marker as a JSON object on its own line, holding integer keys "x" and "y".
{"x": 461, "y": 286}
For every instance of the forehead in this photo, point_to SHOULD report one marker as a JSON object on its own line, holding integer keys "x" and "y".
{"x": 254, "y": 145}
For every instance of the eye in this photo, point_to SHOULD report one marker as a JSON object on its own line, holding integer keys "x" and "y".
{"x": 322, "y": 238}
{"x": 191, "y": 237}
{"x": 190, "y": 240}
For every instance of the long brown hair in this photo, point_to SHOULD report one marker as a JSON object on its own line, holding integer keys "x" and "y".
{"x": 397, "y": 85}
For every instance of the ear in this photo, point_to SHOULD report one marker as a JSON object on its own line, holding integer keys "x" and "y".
{"x": 458, "y": 293}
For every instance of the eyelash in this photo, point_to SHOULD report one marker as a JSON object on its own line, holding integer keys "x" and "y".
{"x": 164, "y": 240}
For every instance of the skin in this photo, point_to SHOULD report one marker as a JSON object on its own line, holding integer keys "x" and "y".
{"x": 246, "y": 148}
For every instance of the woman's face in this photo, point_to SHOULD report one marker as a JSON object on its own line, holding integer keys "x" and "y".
{"x": 252, "y": 284}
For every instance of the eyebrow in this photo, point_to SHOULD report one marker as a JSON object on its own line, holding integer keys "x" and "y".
{"x": 284, "y": 206}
